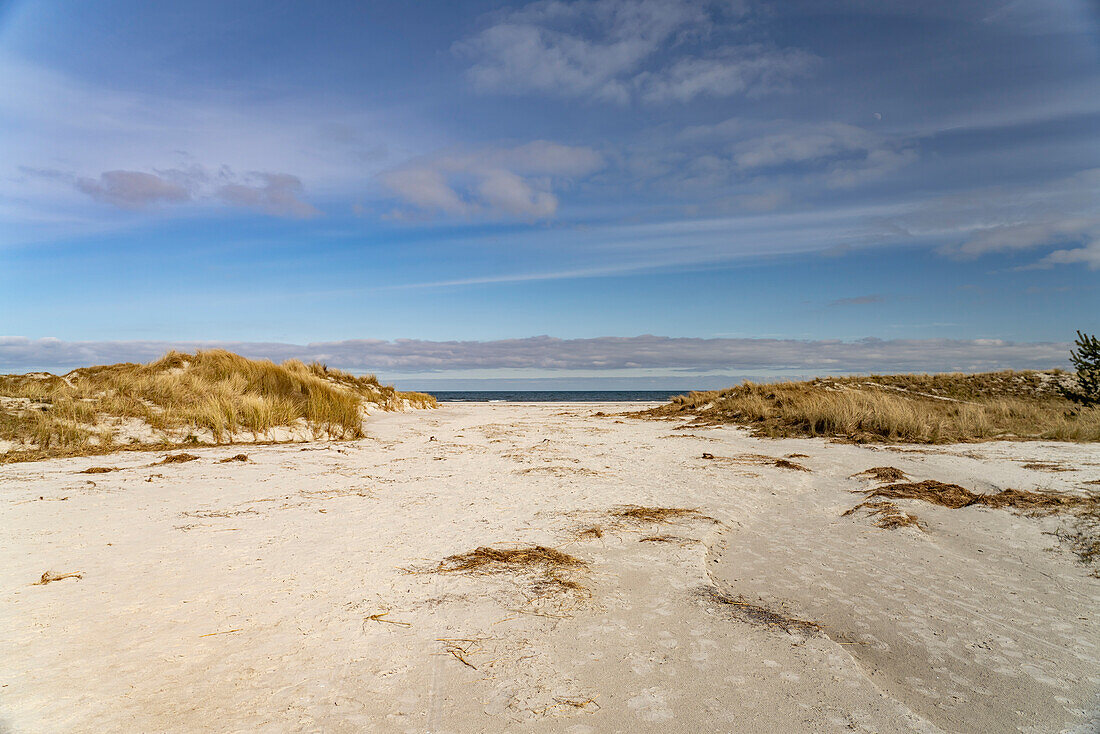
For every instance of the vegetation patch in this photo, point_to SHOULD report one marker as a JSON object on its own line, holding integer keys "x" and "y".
{"x": 239, "y": 457}
{"x": 212, "y": 395}
{"x": 99, "y": 469}
{"x": 945, "y": 408}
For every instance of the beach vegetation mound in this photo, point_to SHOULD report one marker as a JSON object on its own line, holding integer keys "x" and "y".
{"x": 212, "y": 396}
{"x": 944, "y": 408}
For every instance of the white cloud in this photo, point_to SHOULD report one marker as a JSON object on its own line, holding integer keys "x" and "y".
{"x": 492, "y": 182}
{"x": 615, "y": 50}
{"x": 682, "y": 355}
{"x": 131, "y": 189}
{"x": 1088, "y": 255}
{"x": 1025, "y": 236}
{"x": 847, "y": 155}
{"x": 724, "y": 73}
{"x": 277, "y": 194}
{"x": 78, "y": 129}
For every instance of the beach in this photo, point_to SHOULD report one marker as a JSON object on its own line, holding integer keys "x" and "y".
{"x": 691, "y": 578}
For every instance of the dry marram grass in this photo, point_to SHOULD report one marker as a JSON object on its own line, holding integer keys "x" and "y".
{"x": 211, "y": 393}
{"x": 899, "y": 408}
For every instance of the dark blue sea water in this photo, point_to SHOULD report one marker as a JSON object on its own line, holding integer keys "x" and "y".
{"x": 555, "y": 396}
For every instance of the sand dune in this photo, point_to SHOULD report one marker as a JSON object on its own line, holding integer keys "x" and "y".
{"x": 540, "y": 568}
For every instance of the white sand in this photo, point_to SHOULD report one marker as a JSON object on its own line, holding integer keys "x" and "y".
{"x": 236, "y": 597}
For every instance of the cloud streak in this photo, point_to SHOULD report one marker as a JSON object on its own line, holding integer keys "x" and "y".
{"x": 675, "y": 355}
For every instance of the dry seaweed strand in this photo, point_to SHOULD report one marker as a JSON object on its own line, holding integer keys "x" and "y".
{"x": 640, "y": 514}
{"x": 381, "y": 617}
{"x": 882, "y": 474}
{"x": 746, "y": 611}
{"x": 592, "y": 531}
{"x": 176, "y": 459}
{"x": 49, "y": 577}
{"x": 890, "y": 516}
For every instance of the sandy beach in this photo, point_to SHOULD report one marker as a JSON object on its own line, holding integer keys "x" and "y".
{"x": 308, "y": 589}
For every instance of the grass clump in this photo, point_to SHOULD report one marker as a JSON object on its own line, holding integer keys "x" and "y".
{"x": 213, "y": 393}
{"x": 943, "y": 408}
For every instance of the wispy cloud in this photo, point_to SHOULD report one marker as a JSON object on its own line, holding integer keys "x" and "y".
{"x": 677, "y": 355}
{"x": 858, "y": 300}
{"x": 131, "y": 189}
{"x": 618, "y": 50}
{"x": 493, "y": 182}
{"x": 276, "y": 194}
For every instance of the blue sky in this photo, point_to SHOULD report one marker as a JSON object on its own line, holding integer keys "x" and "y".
{"x": 420, "y": 189}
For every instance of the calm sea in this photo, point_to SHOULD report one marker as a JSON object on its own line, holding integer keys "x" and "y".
{"x": 555, "y": 396}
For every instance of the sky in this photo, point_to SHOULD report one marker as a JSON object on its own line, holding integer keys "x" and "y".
{"x": 605, "y": 193}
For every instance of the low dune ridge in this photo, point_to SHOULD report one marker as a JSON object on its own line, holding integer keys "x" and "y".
{"x": 212, "y": 396}
{"x": 935, "y": 409}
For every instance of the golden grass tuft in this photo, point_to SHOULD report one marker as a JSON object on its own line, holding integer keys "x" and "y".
{"x": 934, "y": 409}
{"x": 212, "y": 392}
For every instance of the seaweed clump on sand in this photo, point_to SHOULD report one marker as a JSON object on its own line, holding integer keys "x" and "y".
{"x": 548, "y": 570}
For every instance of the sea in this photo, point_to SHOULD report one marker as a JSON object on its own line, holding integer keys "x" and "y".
{"x": 555, "y": 396}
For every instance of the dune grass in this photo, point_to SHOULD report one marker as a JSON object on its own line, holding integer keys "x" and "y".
{"x": 932, "y": 409}
{"x": 211, "y": 395}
